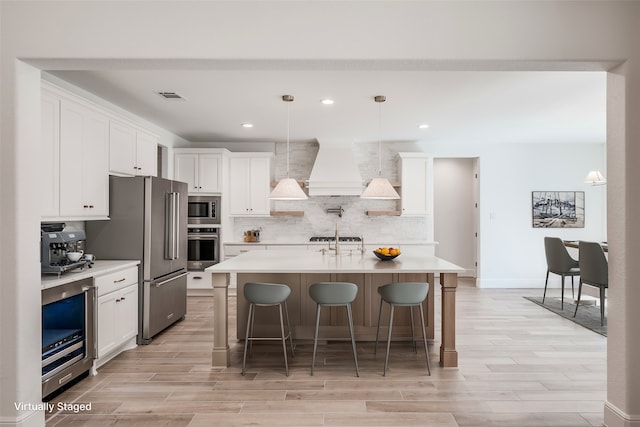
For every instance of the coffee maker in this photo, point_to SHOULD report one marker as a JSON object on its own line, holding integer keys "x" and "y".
{"x": 54, "y": 246}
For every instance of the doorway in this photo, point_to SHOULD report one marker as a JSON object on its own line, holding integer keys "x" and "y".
{"x": 455, "y": 191}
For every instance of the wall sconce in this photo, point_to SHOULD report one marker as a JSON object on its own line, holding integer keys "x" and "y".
{"x": 595, "y": 178}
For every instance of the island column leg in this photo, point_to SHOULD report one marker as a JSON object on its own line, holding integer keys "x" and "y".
{"x": 448, "y": 352}
{"x": 220, "y": 355}
{"x": 430, "y": 307}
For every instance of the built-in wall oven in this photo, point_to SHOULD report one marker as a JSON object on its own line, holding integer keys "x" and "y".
{"x": 203, "y": 210}
{"x": 203, "y": 247}
{"x": 68, "y": 334}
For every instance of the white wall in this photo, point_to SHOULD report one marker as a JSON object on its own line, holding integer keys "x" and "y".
{"x": 511, "y": 250}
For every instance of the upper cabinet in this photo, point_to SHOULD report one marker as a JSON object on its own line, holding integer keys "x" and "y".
{"x": 50, "y": 155}
{"x": 201, "y": 170}
{"x": 84, "y": 161}
{"x": 132, "y": 151}
{"x": 249, "y": 184}
{"x": 80, "y": 144}
{"x": 146, "y": 154}
{"x": 416, "y": 174}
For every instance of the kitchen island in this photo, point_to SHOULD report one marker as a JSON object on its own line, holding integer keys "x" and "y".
{"x": 299, "y": 269}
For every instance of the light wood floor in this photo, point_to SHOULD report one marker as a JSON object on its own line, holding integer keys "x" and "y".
{"x": 519, "y": 365}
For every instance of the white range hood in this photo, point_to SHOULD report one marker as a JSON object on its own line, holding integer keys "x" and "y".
{"x": 335, "y": 171}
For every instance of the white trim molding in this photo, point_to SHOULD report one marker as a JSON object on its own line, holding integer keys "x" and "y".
{"x": 614, "y": 417}
{"x": 31, "y": 418}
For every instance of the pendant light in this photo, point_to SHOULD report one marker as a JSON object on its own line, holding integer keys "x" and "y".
{"x": 288, "y": 188}
{"x": 380, "y": 188}
{"x": 595, "y": 178}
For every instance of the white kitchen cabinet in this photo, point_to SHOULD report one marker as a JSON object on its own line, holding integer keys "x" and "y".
{"x": 201, "y": 171}
{"x": 84, "y": 162}
{"x": 249, "y": 184}
{"x": 50, "y": 155}
{"x": 287, "y": 247}
{"x": 146, "y": 154}
{"x": 416, "y": 174}
{"x": 76, "y": 137}
{"x": 199, "y": 281}
{"x": 131, "y": 151}
{"x": 122, "y": 148}
{"x": 117, "y": 313}
{"x": 231, "y": 249}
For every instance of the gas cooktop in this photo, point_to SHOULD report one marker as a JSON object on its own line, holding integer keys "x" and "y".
{"x": 333, "y": 239}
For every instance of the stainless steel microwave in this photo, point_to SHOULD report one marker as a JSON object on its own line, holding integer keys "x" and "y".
{"x": 204, "y": 210}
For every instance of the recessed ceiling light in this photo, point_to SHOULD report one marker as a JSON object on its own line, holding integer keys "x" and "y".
{"x": 247, "y": 125}
{"x": 327, "y": 101}
{"x": 423, "y": 126}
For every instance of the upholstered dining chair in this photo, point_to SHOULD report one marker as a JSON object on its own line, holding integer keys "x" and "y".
{"x": 559, "y": 262}
{"x": 594, "y": 271}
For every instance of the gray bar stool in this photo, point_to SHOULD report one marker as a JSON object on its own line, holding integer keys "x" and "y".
{"x": 334, "y": 294}
{"x": 404, "y": 294}
{"x": 265, "y": 295}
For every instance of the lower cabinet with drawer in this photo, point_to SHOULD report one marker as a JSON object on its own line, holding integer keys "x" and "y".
{"x": 117, "y": 311}
{"x": 199, "y": 283}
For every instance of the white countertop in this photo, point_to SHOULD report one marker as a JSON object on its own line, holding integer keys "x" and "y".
{"x": 412, "y": 260}
{"x": 98, "y": 268}
{"x": 307, "y": 242}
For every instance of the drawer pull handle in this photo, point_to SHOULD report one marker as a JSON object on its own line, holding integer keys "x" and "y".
{"x": 119, "y": 280}
{"x": 65, "y": 378}
{"x": 197, "y": 277}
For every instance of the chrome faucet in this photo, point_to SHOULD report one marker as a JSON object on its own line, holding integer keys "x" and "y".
{"x": 337, "y": 242}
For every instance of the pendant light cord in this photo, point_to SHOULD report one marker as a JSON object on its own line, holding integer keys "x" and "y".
{"x": 288, "y": 121}
{"x": 379, "y": 138}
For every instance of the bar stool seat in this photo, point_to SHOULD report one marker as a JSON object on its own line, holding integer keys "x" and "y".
{"x": 265, "y": 295}
{"x": 334, "y": 294}
{"x": 403, "y": 294}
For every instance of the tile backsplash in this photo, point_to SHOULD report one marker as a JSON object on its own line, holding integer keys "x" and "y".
{"x": 354, "y": 221}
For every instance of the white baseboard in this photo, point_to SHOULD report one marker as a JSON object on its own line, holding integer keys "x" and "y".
{"x": 24, "y": 419}
{"x": 614, "y": 417}
{"x": 514, "y": 283}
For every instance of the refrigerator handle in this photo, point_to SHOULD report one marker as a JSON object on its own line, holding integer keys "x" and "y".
{"x": 164, "y": 282}
{"x": 170, "y": 227}
{"x": 176, "y": 225}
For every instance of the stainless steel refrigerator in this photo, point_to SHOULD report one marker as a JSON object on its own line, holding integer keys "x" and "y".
{"x": 148, "y": 222}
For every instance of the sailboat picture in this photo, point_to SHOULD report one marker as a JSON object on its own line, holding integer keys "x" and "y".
{"x": 558, "y": 209}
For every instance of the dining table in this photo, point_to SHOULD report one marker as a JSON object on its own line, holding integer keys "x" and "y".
{"x": 574, "y": 244}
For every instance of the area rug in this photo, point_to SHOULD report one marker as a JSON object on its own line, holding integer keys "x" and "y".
{"x": 588, "y": 315}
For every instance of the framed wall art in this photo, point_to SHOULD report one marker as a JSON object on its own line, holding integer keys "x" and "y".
{"x": 557, "y": 209}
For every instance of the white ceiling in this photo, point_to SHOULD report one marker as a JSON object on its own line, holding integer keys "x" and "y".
{"x": 458, "y": 106}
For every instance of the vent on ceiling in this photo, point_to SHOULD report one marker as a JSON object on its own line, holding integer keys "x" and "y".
{"x": 171, "y": 96}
